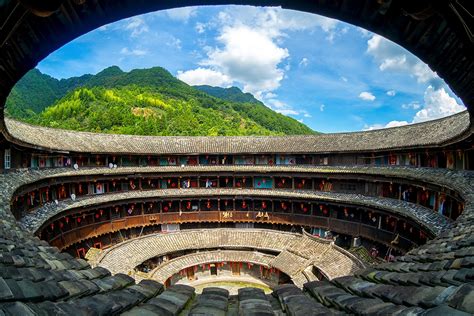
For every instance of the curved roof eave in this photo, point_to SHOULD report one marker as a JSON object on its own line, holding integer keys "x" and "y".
{"x": 432, "y": 133}
{"x": 432, "y": 222}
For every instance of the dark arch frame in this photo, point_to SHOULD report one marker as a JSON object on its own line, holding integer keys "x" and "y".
{"x": 435, "y": 31}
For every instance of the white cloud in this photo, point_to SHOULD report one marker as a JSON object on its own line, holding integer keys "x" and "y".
{"x": 321, "y": 107}
{"x": 103, "y": 28}
{"x": 391, "y": 93}
{"x": 414, "y": 105}
{"x": 281, "y": 20}
{"x": 270, "y": 95}
{"x": 276, "y": 21}
{"x": 137, "y": 26}
{"x": 277, "y": 104}
{"x": 388, "y": 125}
{"x": 281, "y": 107}
{"x": 250, "y": 51}
{"x": 397, "y": 62}
{"x": 396, "y": 123}
{"x": 181, "y": 14}
{"x": 392, "y": 57}
{"x": 366, "y": 96}
{"x": 304, "y": 62}
{"x": 372, "y": 127}
{"x": 133, "y": 52}
{"x": 287, "y": 111}
{"x": 200, "y": 27}
{"x": 202, "y": 76}
{"x": 344, "y": 79}
{"x": 438, "y": 103}
{"x": 174, "y": 42}
{"x": 250, "y": 57}
{"x": 250, "y": 43}
{"x": 364, "y": 33}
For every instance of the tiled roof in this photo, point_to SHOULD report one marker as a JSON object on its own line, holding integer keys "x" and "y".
{"x": 169, "y": 268}
{"x": 431, "y": 133}
{"x": 430, "y": 220}
{"x": 125, "y": 256}
{"x": 455, "y": 180}
{"x": 440, "y": 177}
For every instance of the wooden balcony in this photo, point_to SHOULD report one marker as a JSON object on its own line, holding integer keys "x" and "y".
{"x": 79, "y": 234}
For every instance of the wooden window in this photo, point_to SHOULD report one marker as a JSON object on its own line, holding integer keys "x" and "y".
{"x": 8, "y": 159}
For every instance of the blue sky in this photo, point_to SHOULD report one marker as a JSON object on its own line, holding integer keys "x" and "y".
{"x": 330, "y": 75}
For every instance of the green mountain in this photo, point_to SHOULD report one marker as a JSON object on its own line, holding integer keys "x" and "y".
{"x": 34, "y": 92}
{"x": 143, "y": 102}
{"x": 232, "y": 94}
{"x": 246, "y": 104}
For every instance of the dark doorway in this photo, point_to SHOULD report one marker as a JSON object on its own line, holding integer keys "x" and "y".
{"x": 213, "y": 269}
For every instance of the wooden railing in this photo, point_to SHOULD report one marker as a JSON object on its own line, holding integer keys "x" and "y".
{"x": 85, "y": 232}
{"x": 295, "y": 172}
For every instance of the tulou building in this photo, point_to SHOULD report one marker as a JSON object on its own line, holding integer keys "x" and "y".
{"x": 365, "y": 223}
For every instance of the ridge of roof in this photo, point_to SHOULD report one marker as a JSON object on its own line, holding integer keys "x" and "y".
{"x": 434, "y": 133}
{"x": 11, "y": 121}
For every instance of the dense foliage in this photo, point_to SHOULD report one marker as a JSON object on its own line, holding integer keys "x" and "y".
{"x": 32, "y": 94}
{"x": 143, "y": 102}
{"x": 232, "y": 94}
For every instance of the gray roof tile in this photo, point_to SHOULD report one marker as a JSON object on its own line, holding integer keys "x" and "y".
{"x": 432, "y": 133}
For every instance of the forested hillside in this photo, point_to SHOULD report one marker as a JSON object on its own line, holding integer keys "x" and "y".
{"x": 143, "y": 102}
